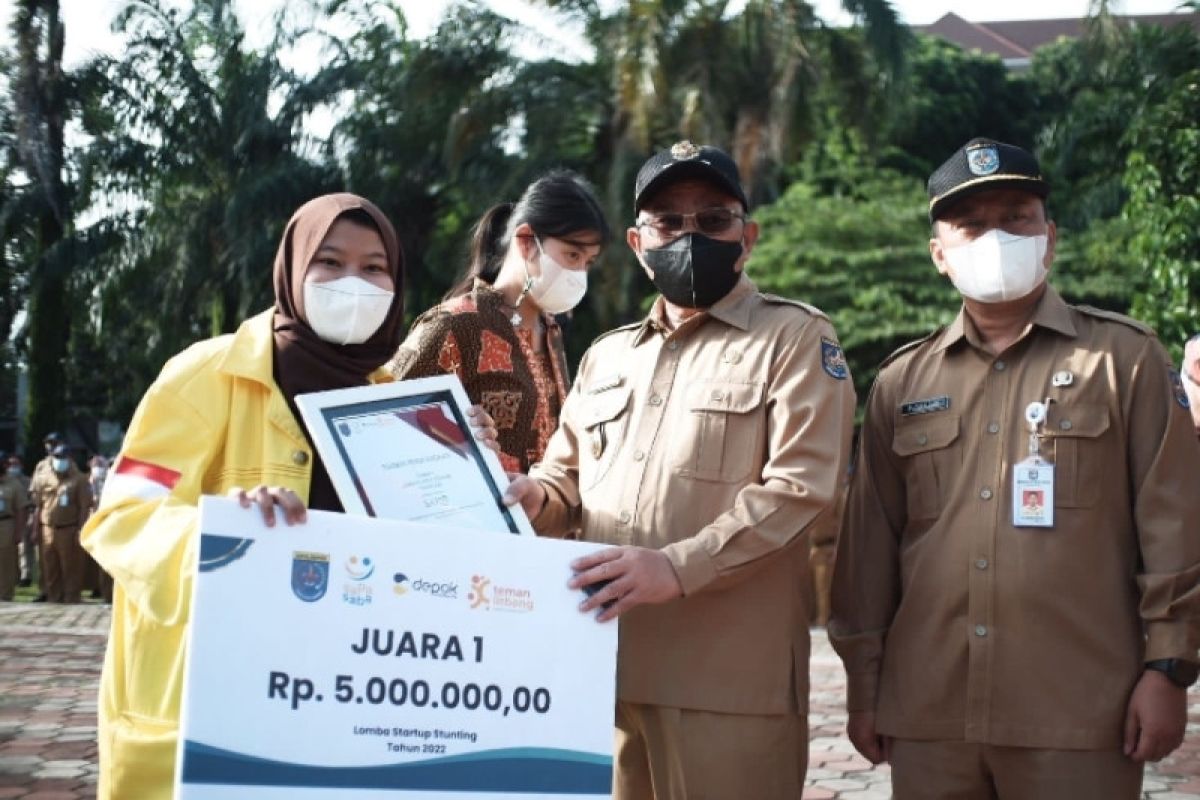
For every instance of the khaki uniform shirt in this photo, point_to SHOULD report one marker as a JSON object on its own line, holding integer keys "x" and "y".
{"x": 720, "y": 443}
{"x": 13, "y": 501}
{"x": 955, "y": 625}
{"x": 63, "y": 501}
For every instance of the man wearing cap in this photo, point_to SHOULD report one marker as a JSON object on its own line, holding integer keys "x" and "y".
{"x": 1016, "y": 595}
{"x": 45, "y": 468}
{"x": 703, "y": 442}
{"x": 63, "y": 501}
{"x": 13, "y": 503}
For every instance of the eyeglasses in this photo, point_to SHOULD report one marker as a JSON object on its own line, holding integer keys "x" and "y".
{"x": 709, "y": 221}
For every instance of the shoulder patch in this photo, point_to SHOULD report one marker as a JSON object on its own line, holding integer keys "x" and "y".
{"x": 775, "y": 299}
{"x": 1113, "y": 316}
{"x": 1177, "y": 387}
{"x": 833, "y": 360}
{"x": 904, "y": 348}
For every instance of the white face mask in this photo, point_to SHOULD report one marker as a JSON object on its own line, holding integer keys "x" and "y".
{"x": 998, "y": 266}
{"x": 61, "y": 465}
{"x": 99, "y": 472}
{"x": 558, "y": 289}
{"x": 345, "y": 311}
{"x": 14, "y": 471}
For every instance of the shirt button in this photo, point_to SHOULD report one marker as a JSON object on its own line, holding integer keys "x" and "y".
{"x": 993, "y": 427}
{"x": 718, "y": 396}
{"x": 672, "y": 345}
{"x": 986, "y": 494}
{"x": 981, "y": 630}
{"x": 999, "y": 366}
{"x": 922, "y": 439}
{"x": 624, "y": 517}
{"x": 638, "y": 455}
{"x": 733, "y": 357}
{"x": 300, "y": 457}
{"x": 655, "y": 400}
{"x": 981, "y": 563}
{"x": 1065, "y": 425}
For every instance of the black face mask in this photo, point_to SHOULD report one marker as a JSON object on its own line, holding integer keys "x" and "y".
{"x": 694, "y": 271}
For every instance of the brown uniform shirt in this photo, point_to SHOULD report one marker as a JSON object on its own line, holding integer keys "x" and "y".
{"x": 13, "y": 500}
{"x": 720, "y": 443}
{"x": 63, "y": 500}
{"x": 955, "y": 625}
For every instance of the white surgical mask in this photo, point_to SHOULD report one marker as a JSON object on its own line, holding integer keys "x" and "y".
{"x": 557, "y": 289}
{"x": 61, "y": 465}
{"x": 14, "y": 471}
{"x": 99, "y": 473}
{"x": 347, "y": 310}
{"x": 998, "y": 266}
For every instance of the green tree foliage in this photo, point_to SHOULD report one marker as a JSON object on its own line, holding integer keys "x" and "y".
{"x": 860, "y": 253}
{"x": 198, "y": 159}
{"x": 1162, "y": 177}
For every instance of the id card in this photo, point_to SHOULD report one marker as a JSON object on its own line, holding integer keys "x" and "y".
{"x": 1033, "y": 494}
{"x": 64, "y": 500}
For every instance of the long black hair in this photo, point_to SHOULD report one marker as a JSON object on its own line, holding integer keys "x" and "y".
{"x": 557, "y": 204}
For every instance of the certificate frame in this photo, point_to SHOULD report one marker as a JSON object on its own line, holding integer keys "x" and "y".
{"x": 322, "y": 411}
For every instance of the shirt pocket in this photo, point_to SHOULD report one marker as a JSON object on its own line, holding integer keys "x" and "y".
{"x": 605, "y": 416}
{"x": 931, "y": 461}
{"x": 1077, "y": 430}
{"x": 721, "y": 432}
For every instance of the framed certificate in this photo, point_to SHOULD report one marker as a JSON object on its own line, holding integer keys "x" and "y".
{"x": 404, "y": 451}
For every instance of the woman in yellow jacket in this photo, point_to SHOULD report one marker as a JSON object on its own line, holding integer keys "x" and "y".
{"x": 220, "y": 418}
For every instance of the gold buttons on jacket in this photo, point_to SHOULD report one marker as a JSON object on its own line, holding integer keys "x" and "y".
{"x": 981, "y": 630}
{"x": 986, "y": 494}
{"x": 655, "y": 400}
{"x": 624, "y": 517}
{"x": 300, "y": 458}
{"x": 1065, "y": 425}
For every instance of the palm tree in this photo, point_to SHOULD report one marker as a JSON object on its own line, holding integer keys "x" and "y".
{"x": 198, "y": 158}
{"x": 39, "y": 97}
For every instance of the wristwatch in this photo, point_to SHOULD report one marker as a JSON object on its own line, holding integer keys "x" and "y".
{"x": 1181, "y": 673}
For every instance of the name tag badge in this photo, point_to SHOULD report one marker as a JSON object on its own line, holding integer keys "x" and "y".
{"x": 64, "y": 500}
{"x": 1033, "y": 494}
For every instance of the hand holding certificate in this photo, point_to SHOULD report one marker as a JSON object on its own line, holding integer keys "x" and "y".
{"x": 404, "y": 451}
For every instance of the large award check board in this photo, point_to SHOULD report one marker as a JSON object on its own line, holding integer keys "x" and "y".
{"x": 362, "y": 658}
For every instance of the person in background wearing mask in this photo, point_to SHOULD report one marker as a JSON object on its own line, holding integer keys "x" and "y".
{"x": 99, "y": 580}
{"x": 1016, "y": 593}
{"x": 14, "y": 503}
{"x": 220, "y": 417}
{"x": 496, "y": 329}
{"x": 49, "y": 442}
{"x": 15, "y": 469}
{"x": 1190, "y": 370}
{"x": 63, "y": 501}
{"x": 704, "y": 442}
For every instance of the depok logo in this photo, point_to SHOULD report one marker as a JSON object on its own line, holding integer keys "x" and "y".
{"x": 445, "y": 590}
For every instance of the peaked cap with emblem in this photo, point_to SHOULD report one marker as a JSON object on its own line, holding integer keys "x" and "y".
{"x": 686, "y": 160}
{"x": 983, "y": 164}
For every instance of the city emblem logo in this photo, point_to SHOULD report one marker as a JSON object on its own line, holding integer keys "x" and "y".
{"x": 983, "y": 160}
{"x": 684, "y": 150}
{"x": 310, "y": 575}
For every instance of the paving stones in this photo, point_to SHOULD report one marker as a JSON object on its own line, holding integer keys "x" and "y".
{"x": 50, "y": 659}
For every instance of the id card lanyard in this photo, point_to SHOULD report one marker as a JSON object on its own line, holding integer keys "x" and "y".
{"x": 1033, "y": 477}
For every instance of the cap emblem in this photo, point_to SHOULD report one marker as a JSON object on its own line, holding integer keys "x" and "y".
{"x": 983, "y": 160}
{"x": 684, "y": 150}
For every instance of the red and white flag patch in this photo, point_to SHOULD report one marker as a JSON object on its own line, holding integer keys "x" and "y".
{"x": 139, "y": 479}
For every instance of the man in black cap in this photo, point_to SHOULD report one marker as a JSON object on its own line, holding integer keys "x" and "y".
{"x": 703, "y": 442}
{"x": 1016, "y": 595}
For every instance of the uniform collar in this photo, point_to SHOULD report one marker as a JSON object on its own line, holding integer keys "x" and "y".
{"x": 732, "y": 309}
{"x": 1051, "y": 312}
